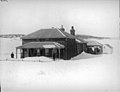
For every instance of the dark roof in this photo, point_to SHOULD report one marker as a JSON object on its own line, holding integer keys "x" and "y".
{"x": 41, "y": 45}
{"x": 49, "y": 33}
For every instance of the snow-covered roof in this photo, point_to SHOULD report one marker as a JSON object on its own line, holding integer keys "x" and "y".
{"x": 93, "y": 43}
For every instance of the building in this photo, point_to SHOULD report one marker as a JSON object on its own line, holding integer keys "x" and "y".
{"x": 51, "y": 42}
{"x": 94, "y": 47}
{"x": 107, "y": 49}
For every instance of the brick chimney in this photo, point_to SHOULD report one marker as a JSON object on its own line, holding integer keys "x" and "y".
{"x": 62, "y": 29}
{"x": 72, "y": 31}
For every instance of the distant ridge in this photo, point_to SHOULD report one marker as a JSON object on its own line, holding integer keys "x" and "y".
{"x": 91, "y": 37}
{"x": 78, "y": 36}
{"x": 11, "y": 35}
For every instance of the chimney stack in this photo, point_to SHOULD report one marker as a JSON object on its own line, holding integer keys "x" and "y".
{"x": 62, "y": 29}
{"x": 72, "y": 31}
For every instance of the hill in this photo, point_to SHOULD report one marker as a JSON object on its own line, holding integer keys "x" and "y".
{"x": 11, "y": 35}
{"x": 91, "y": 37}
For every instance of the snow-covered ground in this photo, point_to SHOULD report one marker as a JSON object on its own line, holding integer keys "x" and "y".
{"x": 83, "y": 73}
{"x": 7, "y": 46}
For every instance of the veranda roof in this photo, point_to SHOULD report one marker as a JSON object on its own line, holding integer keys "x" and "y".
{"x": 41, "y": 45}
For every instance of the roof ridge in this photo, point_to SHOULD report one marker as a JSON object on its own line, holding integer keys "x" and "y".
{"x": 61, "y": 32}
{"x": 68, "y": 34}
{"x": 48, "y": 33}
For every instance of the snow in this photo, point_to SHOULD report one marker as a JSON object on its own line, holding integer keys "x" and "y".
{"x": 84, "y": 55}
{"x": 7, "y": 46}
{"x": 83, "y": 73}
{"x": 107, "y": 49}
{"x": 38, "y": 59}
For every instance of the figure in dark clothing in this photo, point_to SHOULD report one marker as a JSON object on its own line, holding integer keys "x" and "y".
{"x": 54, "y": 56}
{"x": 12, "y": 55}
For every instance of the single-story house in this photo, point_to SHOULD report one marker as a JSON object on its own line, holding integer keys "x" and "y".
{"x": 50, "y": 42}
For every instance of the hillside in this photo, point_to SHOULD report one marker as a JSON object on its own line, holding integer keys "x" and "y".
{"x": 78, "y": 35}
{"x": 91, "y": 37}
{"x": 11, "y": 35}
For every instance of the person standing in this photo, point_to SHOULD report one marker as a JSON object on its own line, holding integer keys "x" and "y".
{"x": 12, "y": 55}
{"x": 54, "y": 54}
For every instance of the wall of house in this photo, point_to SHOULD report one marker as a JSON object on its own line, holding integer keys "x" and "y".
{"x": 90, "y": 50}
{"x": 71, "y": 48}
{"x": 80, "y": 48}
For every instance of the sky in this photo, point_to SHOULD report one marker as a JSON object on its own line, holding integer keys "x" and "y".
{"x": 89, "y": 17}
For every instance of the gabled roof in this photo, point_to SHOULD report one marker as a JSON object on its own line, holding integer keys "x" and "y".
{"x": 41, "y": 45}
{"x": 49, "y": 33}
{"x": 95, "y": 43}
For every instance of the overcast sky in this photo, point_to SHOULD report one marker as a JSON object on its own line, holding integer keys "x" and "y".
{"x": 91, "y": 17}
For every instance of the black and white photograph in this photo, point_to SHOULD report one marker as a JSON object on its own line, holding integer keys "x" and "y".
{"x": 59, "y": 46}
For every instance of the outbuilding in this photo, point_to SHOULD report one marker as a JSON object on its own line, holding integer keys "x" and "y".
{"x": 107, "y": 49}
{"x": 94, "y": 47}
